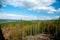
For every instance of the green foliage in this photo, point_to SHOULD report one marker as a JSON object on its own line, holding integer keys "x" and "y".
{"x": 33, "y": 27}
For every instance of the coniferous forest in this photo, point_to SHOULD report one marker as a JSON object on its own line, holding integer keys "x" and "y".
{"x": 25, "y": 30}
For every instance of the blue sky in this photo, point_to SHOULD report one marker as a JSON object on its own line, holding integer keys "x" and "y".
{"x": 30, "y": 9}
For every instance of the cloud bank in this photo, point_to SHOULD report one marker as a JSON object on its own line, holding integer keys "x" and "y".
{"x": 35, "y": 5}
{"x": 17, "y": 17}
{"x": 25, "y": 17}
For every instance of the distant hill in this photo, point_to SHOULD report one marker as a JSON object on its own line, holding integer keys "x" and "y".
{"x": 7, "y": 20}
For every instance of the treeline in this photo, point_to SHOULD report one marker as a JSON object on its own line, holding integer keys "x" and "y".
{"x": 21, "y": 29}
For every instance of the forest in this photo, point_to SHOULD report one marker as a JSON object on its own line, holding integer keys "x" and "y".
{"x": 20, "y": 29}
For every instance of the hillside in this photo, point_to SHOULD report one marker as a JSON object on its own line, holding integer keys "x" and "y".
{"x": 15, "y": 30}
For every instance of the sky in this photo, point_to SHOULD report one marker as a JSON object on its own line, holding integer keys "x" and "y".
{"x": 30, "y": 9}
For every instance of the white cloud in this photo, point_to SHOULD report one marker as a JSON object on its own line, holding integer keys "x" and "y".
{"x": 48, "y": 17}
{"x": 55, "y": 10}
{"x": 34, "y": 2}
{"x": 37, "y": 5}
{"x": 48, "y": 9}
{"x": 25, "y": 17}
{"x": 16, "y": 16}
{"x": 58, "y": 11}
